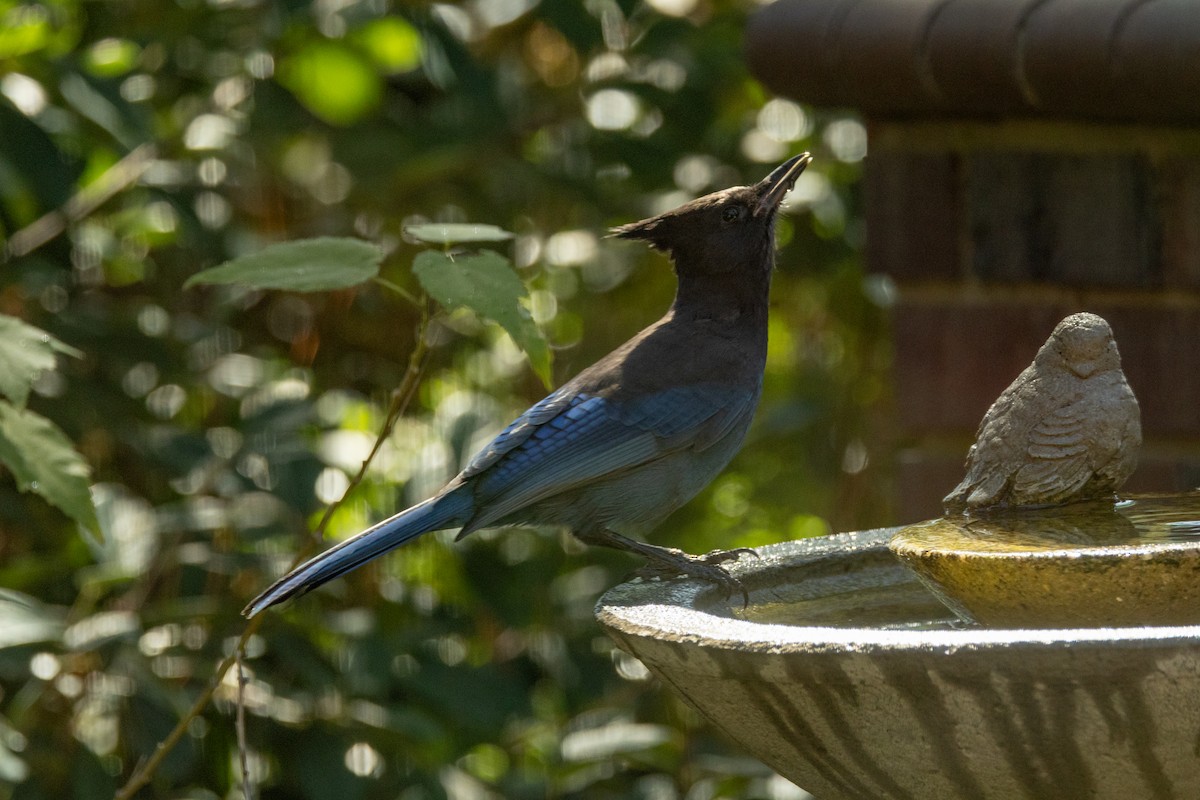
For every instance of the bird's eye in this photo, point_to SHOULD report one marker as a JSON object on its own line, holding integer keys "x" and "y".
{"x": 732, "y": 213}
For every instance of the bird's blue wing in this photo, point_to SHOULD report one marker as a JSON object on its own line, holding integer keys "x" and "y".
{"x": 592, "y": 437}
{"x": 690, "y": 416}
{"x": 519, "y": 431}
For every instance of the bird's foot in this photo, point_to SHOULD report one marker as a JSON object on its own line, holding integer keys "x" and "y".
{"x": 671, "y": 563}
{"x": 667, "y": 562}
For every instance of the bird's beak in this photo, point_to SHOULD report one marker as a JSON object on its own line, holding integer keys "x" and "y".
{"x": 772, "y": 188}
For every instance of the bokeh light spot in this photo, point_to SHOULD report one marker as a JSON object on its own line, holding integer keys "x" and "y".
{"x": 613, "y": 109}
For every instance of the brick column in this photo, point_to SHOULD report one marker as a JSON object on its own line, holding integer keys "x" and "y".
{"x": 993, "y": 233}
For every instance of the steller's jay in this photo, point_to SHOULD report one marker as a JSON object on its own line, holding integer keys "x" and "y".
{"x": 640, "y": 432}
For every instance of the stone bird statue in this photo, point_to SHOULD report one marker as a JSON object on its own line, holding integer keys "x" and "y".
{"x": 1068, "y": 428}
{"x": 636, "y": 435}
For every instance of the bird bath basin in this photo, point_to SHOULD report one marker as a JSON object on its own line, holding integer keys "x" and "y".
{"x": 849, "y": 677}
{"x": 1083, "y": 564}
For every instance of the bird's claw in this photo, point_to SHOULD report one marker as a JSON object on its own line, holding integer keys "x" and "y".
{"x": 721, "y": 556}
{"x": 677, "y": 564}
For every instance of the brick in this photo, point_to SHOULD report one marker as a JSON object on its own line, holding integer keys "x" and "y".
{"x": 1165, "y": 470}
{"x": 1064, "y": 53}
{"x": 1075, "y": 220}
{"x": 952, "y": 360}
{"x": 876, "y": 51}
{"x": 974, "y": 69}
{"x": 1153, "y": 55}
{"x": 914, "y": 215}
{"x": 1179, "y": 188}
{"x": 923, "y": 478}
{"x": 1160, "y": 353}
{"x": 786, "y": 46}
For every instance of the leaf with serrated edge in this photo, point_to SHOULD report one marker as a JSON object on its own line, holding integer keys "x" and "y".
{"x": 485, "y": 283}
{"x": 456, "y": 233}
{"x": 25, "y": 353}
{"x": 43, "y": 460}
{"x": 306, "y": 265}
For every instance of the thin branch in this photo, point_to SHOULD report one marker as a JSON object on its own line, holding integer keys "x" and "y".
{"x": 143, "y": 775}
{"x": 115, "y": 179}
{"x": 401, "y": 397}
{"x": 240, "y": 727}
{"x": 400, "y": 290}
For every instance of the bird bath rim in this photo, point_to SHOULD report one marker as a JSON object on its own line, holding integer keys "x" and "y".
{"x": 686, "y": 610}
{"x": 930, "y": 714}
{"x": 1082, "y": 565}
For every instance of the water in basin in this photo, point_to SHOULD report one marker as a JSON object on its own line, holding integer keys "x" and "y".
{"x": 873, "y": 591}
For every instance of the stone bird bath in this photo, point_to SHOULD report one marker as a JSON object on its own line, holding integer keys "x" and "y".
{"x": 858, "y": 678}
{"x": 849, "y": 678}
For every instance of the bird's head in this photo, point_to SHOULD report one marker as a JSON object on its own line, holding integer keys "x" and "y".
{"x": 722, "y": 231}
{"x": 1082, "y": 343}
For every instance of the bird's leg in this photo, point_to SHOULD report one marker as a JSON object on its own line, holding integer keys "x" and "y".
{"x": 668, "y": 562}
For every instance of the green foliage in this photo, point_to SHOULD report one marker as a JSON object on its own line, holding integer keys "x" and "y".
{"x": 25, "y": 353}
{"x": 43, "y": 460}
{"x": 485, "y": 283}
{"x": 392, "y": 43}
{"x": 218, "y": 424}
{"x": 26, "y": 621}
{"x": 334, "y": 82}
{"x": 310, "y": 265}
{"x": 456, "y": 233}
{"x": 40, "y": 456}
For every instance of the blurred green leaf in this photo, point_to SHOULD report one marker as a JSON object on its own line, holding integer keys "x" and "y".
{"x": 23, "y": 30}
{"x": 616, "y": 738}
{"x": 89, "y": 779}
{"x": 43, "y": 460}
{"x": 392, "y": 43}
{"x": 485, "y": 283}
{"x": 25, "y": 353}
{"x": 318, "y": 767}
{"x": 100, "y": 101}
{"x": 308, "y": 265}
{"x": 106, "y": 626}
{"x": 13, "y": 769}
{"x": 110, "y": 58}
{"x": 456, "y": 233}
{"x": 24, "y": 620}
{"x": 333, "y": 82}
{"x": 38, "y": 175}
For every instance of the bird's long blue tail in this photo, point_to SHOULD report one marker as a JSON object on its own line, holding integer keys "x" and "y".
{"x": 444, "y": 511}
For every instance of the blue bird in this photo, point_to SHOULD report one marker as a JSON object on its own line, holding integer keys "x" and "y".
{"x": 640, "y": 432}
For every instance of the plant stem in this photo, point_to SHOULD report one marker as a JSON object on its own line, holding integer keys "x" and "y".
{"x": 240, "y": 726}
{"x": 400, "y": 290}
{"x": 143, "y": 775}
{"x": 401, "y": 397}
